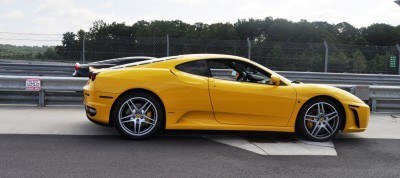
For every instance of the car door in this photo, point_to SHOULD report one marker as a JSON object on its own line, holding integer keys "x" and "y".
{"x": 192, "y": 95}
{"x": 245, "y": 102}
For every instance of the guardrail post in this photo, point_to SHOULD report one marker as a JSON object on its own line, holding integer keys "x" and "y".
{"x": 373, "y": 104}
{"x": 249, "y": 48}
{"x": 353, "y": 89}
{"x": 398, "y": 59}
{"x": 41, "y": 98}
{"x": 326, "y": 56}
{"x": 167, "y": 45}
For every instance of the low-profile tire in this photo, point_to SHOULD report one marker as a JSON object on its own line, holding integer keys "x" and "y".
{"x": 319, "y": 120}
{"x": 138, "y": 115}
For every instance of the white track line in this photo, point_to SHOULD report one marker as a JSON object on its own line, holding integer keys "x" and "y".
{"x": 299, "y": 147}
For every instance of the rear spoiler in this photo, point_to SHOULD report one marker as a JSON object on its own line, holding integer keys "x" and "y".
{"x": 93, "y": 72}
{"x": 92, "y": 69}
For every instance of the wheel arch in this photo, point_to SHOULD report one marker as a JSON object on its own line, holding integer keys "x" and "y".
{"x": 336, "y": 101}
{"x": 132, "y": 91}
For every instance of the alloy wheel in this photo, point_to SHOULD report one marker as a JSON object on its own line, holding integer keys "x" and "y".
{"x": 321, "y": 120}
{"x": 137, "y": 116}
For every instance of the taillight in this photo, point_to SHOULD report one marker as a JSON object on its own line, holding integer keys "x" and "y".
{"x": 77, "y": 66}
{"x": 92, "y": 75}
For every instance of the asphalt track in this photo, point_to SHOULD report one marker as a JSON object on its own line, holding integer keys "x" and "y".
{"x": 59, "y": 142}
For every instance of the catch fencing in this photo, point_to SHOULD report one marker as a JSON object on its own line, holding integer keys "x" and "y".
{"x": 68, "y": 91}
{"x": 66, "y": 70}
{"x": 283, "y": 56}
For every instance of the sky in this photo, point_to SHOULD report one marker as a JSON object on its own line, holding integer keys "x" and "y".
{"x": 60, "y": 16}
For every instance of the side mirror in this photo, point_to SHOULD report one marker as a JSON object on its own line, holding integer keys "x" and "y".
{"x": 275, "y": 79}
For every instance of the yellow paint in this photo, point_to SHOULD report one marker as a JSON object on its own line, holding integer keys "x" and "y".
{"x": 197, "y": 102}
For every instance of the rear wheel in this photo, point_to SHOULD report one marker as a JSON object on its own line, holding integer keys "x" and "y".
{"x": 138, "y": 115}
{"x": 319, "y": 120}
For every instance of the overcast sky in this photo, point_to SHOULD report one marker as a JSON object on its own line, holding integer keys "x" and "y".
{"x": 59, "y": 16}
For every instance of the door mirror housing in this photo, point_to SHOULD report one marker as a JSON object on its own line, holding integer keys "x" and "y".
{"x": 275, "y": 79}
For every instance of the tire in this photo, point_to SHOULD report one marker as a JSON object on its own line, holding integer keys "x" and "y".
{"x": 319, "y": 120}
{"x": 138, "y": 115}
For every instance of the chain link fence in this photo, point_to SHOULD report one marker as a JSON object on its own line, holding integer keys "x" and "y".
{"x": 289, "y": 56}
{"x": 29, "y": 45}
{"x": 103, "y": 47}
{"x": 282, "y": 56}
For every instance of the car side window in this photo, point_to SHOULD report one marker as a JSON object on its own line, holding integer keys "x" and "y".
{"x": 235, "y": 70}
{"x": 221, "y": 70}
{"x": 198, "y": 67}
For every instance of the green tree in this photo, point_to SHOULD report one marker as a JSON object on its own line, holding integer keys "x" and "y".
{"x": 359, "y": 62}
{"x": 380, "y": 63}
{"x": 346, "y": 33}
{"x": 277, "y": 57}
{"x": 248, "y": 29}
{"x": 338, "y": 62}
{"x": 381, "y": 35}
{"x": 108, "y": 40}
{"x": 221, "y": 31}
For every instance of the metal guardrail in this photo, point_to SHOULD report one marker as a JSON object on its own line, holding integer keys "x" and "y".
{"x": 25, "y": 69}
{"x": 68, "y": 91}
{"x": 385, "y": 98}
{"x": 54, "y": 91}
{"x": 343, "y": 78}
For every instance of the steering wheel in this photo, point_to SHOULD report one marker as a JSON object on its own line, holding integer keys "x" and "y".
{"x": 242, "y": 76}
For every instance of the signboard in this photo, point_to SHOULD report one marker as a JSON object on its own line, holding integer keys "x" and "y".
{"x": 32, "y": 84}
{"x": 393, "y": 61}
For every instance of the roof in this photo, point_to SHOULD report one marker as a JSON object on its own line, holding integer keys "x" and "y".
{"x": 186, "y": 56}
{"x": 211, "y": 56}
{"x": 122, "y": 58}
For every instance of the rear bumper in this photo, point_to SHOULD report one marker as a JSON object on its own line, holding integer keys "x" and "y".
{"x": 99, "y": 102}
{"x": 357, "y": 116}
{"x": 95, "y": 121}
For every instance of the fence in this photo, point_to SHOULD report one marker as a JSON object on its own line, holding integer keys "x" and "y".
{"x": 66, "y": 70}
{"x": 284, "y": 56}
{"x": 68, "y": 91}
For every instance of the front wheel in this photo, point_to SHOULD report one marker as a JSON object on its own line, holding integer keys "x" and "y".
{"x": 138, "y": 115}
{"x": 319, "y": 120}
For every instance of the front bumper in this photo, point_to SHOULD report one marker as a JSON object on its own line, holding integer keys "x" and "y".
{"x": 357, "y": 116}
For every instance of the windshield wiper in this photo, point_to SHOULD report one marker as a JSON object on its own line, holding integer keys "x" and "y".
{"x": 296, "y": 81}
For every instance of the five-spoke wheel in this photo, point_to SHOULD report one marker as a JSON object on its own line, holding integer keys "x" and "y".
{"x": 137, "y": 115}
{"x": 319, "y": 120}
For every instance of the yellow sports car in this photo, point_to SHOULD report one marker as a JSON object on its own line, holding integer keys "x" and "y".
{"x": 217, "y": 92}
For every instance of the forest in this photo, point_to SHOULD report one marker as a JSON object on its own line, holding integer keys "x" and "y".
{"x": 268, "y": 29}
{"x": 278, "y": 43}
